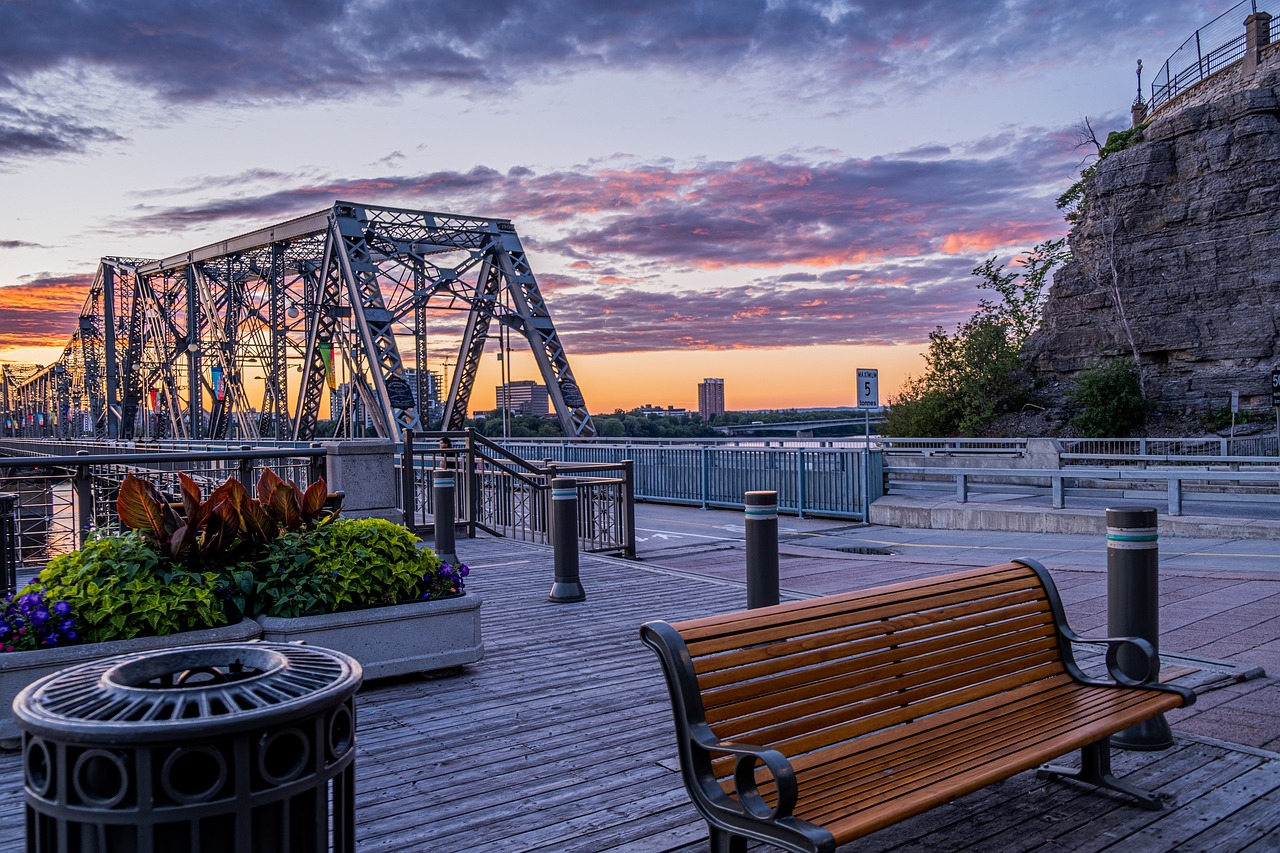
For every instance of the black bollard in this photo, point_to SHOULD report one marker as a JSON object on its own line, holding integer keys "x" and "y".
{"x": 443, "y": 497}
{"x": 564, "y": 541}
{"x": 762, "y": 548}
{"x": 1133, "y": 608}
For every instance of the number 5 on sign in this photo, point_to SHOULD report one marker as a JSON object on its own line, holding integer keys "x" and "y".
{"x": 868, "y": 387}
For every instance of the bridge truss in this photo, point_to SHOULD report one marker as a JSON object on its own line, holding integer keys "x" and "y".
{"x": 241, "y": 338}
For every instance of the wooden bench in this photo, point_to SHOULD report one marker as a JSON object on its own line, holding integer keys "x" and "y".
{"x": 815, "y": 722}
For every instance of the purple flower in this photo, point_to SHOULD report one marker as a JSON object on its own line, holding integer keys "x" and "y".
{"x": 62, "y": 608}
{"x": 463, "y": 571}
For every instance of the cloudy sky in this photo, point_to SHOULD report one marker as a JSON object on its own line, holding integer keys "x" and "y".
{"x": 772, "y": 191}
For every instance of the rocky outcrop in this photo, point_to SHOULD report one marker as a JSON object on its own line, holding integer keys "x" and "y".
{"x": 1177, "y": 257}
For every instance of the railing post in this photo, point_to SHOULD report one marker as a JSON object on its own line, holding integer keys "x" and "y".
{"x": 443, "y": 496}
{"x": 706, "y": 475}
{"x": 244, "y": 472}
{"x": 762, "y": 547}
{"x": 317, "y": 464}
{"x": 962, "y": 488}
{"x": 82, "y": 498}
{"x": 473, "y": 485}
{"x": 9, "y": 557}
{"x": 1133, "y": 608}
{"x": 408, "y": 483}
{"x": 567, "y": 586}
{"x": 1058, "y": 486}
{"x": 1175, "y": 495}
{"x": 629, "y": 505}
{"x": 802, "y": 481}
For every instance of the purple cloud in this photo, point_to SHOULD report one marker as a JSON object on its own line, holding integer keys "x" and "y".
{"x": 189, "y": 51}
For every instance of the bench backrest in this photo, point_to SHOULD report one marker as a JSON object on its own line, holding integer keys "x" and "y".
{"x": 810, "y": 675}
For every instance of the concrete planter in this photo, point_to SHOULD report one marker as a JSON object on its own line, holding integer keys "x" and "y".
{"x": 18, "y": 669}
{"x": 417, "y": 636}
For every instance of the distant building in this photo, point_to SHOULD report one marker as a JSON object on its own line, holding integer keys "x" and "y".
{"x": 668, "y": 412}
{"x": 355, "y": 413}
{"x": 434, "y": 407}
{"x": 524, "y": 397}
{"x": 710, "y": 398}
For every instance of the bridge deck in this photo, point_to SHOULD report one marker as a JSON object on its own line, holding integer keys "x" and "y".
{"x": 560, "y": 740}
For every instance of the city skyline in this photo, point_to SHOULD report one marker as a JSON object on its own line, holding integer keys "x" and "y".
{"x": 776, "y": 193}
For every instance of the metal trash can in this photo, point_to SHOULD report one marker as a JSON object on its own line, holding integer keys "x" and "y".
{"x": 227, "y": 747}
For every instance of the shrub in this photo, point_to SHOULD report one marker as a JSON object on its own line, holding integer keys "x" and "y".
{"x": 227, "y": 557}
{"x": 976, "y": 374}
{"x": 120, "y": 586}
{"x": 349, "y": 564}
{"x": 1109, "y": 400}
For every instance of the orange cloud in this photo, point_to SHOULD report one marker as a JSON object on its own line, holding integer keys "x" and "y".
{"x": 42, "y": 313}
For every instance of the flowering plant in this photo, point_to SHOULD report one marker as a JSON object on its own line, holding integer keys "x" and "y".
{"x": 230, "y": 556}
{"x": 31, "y": 622}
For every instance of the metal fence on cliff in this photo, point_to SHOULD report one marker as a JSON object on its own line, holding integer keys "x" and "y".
{"x": 1211, "y": 48}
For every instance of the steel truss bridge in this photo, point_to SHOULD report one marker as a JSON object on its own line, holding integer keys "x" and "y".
{"x": 241, "y": 338}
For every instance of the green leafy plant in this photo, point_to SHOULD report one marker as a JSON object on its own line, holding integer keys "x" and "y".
{"x": 976, "y": 374}
{"x": 223, "y": 557}
{"x": 1108, "y": 399}
{"x": 349, "y": 564}
{"x": 121, "y": 586}
{"x": 1072, "y": 203}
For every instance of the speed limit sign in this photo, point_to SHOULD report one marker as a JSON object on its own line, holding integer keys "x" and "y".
{"x": 868, "y": 387}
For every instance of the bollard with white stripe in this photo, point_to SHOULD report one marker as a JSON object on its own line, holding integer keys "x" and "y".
{"x": 1133, "y": 607}
{"x": 762, "y": 548}
{"x": 443, "y": 498}
{"x": 564, "y": 541}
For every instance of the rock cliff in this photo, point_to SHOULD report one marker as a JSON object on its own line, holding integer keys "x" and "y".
{"x": 1177, "y": 255}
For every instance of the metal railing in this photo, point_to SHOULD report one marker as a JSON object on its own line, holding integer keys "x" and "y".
{"x": 1209, "y": 49}
{"x": 957, "y": 446}
{"x": 1170, "y": 450}
{"x": 1174, "y": 485}
{"x": 839, "y": 482}
{"x": 505, "y": 495}
{"x": 60, "y": 498}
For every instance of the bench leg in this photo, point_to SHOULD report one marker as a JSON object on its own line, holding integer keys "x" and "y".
{"x": 1095, "y": 768}
{"x": 726, "y": 842}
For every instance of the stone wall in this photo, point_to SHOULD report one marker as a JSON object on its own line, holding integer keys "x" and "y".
{"x": 1182, "y": 233}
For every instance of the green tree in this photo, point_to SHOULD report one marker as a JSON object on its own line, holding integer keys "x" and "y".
{"x": 1108, "y": 400}
{"x": 976, "y": 374}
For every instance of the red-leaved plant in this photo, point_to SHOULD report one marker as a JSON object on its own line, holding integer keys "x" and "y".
{"x": 228, "y": 527}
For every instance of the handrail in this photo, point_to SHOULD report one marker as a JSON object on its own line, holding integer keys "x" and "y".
{"x": 1057, "y": 478}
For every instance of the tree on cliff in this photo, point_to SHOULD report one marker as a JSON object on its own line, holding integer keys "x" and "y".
{"x": 976, "y": 374}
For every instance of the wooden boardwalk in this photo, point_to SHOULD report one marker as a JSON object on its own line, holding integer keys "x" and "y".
{"x": 561, "y": 740}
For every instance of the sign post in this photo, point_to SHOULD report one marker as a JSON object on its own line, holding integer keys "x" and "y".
{"x": 868, "y": 398}
{"x": 1275, "y": 404}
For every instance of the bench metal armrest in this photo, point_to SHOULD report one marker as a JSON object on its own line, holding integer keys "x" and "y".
{"x": 747, "y": 756}
{"x": 1114, "y": 644}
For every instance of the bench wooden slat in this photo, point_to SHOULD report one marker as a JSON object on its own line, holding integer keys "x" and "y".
{"x": 1032, "y": 726}
{"x": 982, "y": 770}
{"x": 717, "y": 669}
{"x": 777, "y": 622}
{"x": 830, "y": 730}
{"x": 894, "y": 681}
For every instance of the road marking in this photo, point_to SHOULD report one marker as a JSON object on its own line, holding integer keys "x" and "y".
{"x": 667, "y": 534}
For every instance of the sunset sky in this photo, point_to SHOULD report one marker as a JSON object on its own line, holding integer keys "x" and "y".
{"x": 773, "y": 192}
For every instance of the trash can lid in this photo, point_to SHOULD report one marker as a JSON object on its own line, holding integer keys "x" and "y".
{"x": 197, "y": 690}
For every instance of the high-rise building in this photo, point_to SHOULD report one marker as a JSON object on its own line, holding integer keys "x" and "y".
{"x": 524, "y": 397}
{"x": 433, "y": 407}
{"x": 710, "y": 398}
